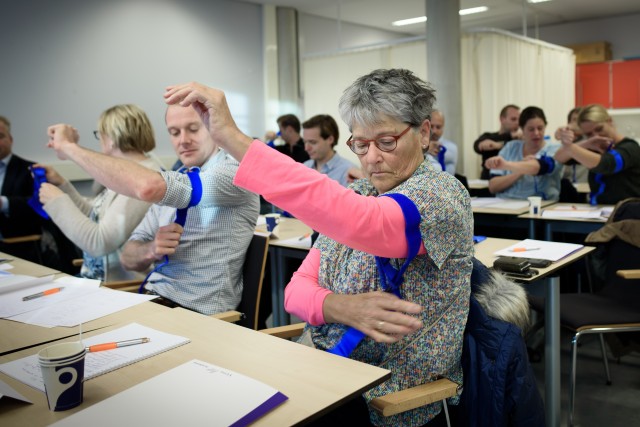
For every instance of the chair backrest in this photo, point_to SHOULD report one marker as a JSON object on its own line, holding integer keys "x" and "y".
{"x": 623, "y": 255}
{"x": 252, "y": 277}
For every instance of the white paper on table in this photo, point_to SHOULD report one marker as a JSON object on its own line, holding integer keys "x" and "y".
{"x": 12, "y": 304}
{"x": 261, "y": 220}
{"x": 196, "y": 392}
{"x": 6, "y": 390}
{"x": 84, "y": 308}
{"x": 6, "y": 266}
{"x": 27, "y": 370}
{"x": 477, "y": 202}
{"x": 569, "y": 211}
{"x": 303, "y": 242}
{"x": 540, "y": 249}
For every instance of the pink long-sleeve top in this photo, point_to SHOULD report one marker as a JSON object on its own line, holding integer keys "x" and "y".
{"x": 370, "y": 224}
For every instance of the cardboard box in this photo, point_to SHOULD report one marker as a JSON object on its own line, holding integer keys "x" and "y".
{"x": 592, "y": 52}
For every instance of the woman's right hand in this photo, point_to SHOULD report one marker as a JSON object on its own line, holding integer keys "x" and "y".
{"x": 380, "y": 315}
{"x": 53, "y": 177}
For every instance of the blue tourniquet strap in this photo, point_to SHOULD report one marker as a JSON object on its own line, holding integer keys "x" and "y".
{"x": 441, "y": 157}
{"x": 599, "y": 178}
{"x": 39, "y": 177}
{"x": 181, "y": 214}
{"x": 390, "y": 278}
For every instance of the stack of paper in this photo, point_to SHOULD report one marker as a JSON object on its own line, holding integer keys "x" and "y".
{"x": 539, "y": 249}
{"x": 79, "y": 300}
{"x": 573, "y": 211}
{"x": 27, "y": 369}
{"x": 498, "y": 203}
{"x": 195, "y": 393}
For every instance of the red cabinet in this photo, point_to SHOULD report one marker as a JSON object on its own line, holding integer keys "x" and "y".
{"x": 625, "y": 86}
{"x": 614, "y": 84}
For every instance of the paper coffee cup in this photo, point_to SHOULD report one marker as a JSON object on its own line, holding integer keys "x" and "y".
{"x": 62, "y": 367}
{"x": 535, "y": 205}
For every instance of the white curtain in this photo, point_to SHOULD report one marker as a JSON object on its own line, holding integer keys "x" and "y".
{"x": 498, "y": 68}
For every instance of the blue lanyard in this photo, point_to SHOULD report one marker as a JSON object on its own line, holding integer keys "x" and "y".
{"x": 39, "y": 178}
{"x": 441, "y": 157}
{"x": 599, "y": 178}
{"x": 390, "y": 278}
{"x": 181, "y": 214}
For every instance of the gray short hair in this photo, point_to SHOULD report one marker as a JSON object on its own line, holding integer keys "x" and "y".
{"x": 395, "y": 93}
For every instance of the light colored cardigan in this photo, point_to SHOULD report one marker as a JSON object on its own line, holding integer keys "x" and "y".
{"x": 118, "y": 217}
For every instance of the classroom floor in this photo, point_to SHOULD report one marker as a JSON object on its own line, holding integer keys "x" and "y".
{"x": 598, "y": 404}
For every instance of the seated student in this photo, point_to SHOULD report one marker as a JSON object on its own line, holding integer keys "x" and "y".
{"x": 613, "y": 160}
{"x": 17, "y": 218}
{"x": 490, "y": 143}
{"x": 526, "y": 167}
{"x": 101, "y": 226}
{"x": 418, "y": 337}
{"x": 293, "y": 146}
{"x": 321, "y": 134}
{"x": 205, "y": 257}
{"x": 576, "y": 172}
{"x": 441, "y": 152}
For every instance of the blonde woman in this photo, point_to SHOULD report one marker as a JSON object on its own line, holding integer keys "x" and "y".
{"x": 613, "y": 160}
{"x": 102, "y": 225}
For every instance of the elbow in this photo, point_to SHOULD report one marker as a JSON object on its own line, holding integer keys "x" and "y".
{"x": 151, "y": 190}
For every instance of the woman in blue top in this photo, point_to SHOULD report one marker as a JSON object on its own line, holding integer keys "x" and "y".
{"x": 526, "y": 167}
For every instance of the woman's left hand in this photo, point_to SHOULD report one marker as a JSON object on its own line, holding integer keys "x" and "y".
{"x": 49, "y": 192}
{"x": 380, "y": 315}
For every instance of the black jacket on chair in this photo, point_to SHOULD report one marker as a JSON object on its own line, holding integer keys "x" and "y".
{"x": 18, "y": 188}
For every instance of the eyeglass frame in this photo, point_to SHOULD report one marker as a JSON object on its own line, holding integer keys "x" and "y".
{"x": 96, "y": 134}
{"x": 375, "y": 141}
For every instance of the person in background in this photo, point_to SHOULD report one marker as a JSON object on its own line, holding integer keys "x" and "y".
{"x": 441, "y": 152}
{"x": 321, "y": 134}
{"x": 526, "y": 167}
{"x": 204, "y": 272}
{"x": 101, "y": 227}
{"x": 490, "y": 143}
{"x": 293, "y": 147}
{"x": 576, "y": 173}
{"x": 612, "y": 159}
{"x": 17, "y": 218}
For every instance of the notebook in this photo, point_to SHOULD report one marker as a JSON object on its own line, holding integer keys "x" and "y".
{"x": 27, "y": 369}
{"x": 194, "y": 393}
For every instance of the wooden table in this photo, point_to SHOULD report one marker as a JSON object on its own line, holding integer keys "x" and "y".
{"x": 15, "y": 336}
{"x": 503, "y": 218}
{"x": 567, "y": 225}
{"x": 485, "y": 253}
{"x": 315, "y": 381}
{"x": 28, "y": 268}
{"x": 279, "y": 252}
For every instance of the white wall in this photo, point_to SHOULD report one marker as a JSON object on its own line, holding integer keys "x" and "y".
{"x": 623, "y": 32}
{"x": 68, "y": 60}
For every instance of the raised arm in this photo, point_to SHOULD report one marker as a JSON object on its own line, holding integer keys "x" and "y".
{"x": 120, "y": 175}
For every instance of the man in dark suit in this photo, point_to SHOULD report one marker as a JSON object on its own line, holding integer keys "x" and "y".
{"x": 17, "y": 218}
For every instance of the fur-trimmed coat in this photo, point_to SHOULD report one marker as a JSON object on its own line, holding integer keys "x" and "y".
{"x": 499, "y": 384}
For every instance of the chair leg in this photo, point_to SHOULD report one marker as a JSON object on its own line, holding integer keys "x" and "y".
{"x": 572, "y": 376}
{"x": 446, "y": 411}
{"x": 604, "y": 359}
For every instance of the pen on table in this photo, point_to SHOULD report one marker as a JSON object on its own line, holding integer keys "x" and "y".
{"x": 112, "y": 345}
{"x": 523, "y": 249}
{"x": 43, "y": 293}
{"x": 304, "y": 237}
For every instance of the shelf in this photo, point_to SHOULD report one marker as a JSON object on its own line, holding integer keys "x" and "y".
{"x": 623, "y": 111}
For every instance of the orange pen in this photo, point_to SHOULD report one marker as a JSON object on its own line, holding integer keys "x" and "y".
{"x": 43, "y": 293}
{"x": 524, "y": 249}
{"x": 304, "y": 237}
{"x": 112, "y": 345}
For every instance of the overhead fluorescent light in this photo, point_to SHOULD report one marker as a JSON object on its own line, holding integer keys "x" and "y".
{"x": 537, "y": 1}
{"x": 409, "y": 21}
{"x": 473, "y": 10}
{"x": 421, "y": 19}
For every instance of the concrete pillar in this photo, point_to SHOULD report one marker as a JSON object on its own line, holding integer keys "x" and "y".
{"x": 443, "y": 68}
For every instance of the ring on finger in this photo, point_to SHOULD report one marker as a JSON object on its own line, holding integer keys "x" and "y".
{"x": 380, "y": 325}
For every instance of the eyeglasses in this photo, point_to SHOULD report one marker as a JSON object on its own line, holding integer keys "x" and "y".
{"x": 96, "y": 134}
{"x": 384, "y": 143}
